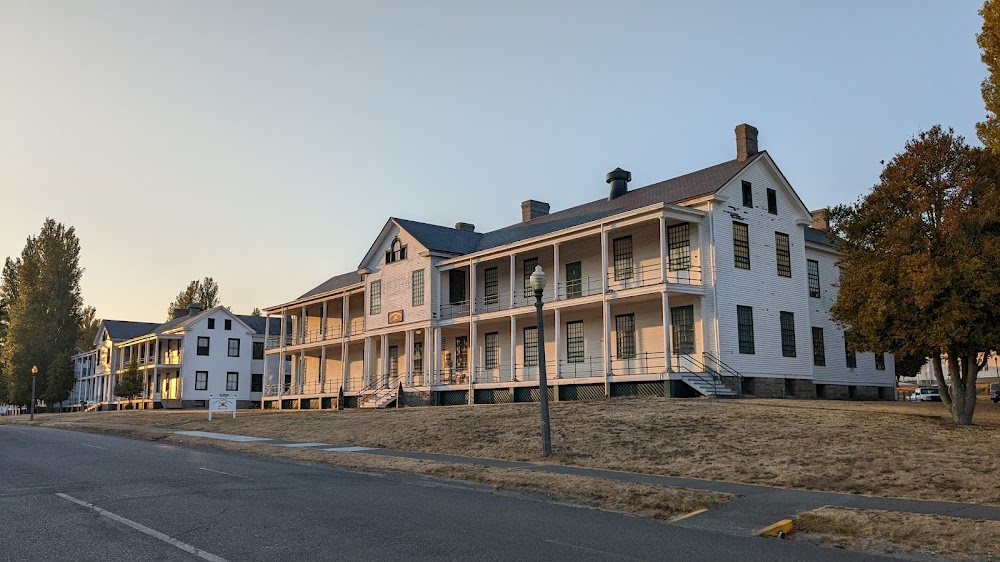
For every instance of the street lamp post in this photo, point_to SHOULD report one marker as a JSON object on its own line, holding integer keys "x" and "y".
{"x": 34, "y": 373}
{"x": 537, "y": 282}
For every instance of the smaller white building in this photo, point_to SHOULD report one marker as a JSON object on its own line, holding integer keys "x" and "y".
{"x": 183, "y": 362}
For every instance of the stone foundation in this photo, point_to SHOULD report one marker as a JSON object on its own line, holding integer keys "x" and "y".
{"x": 417, "y": 398}
{"x": 832, "y": 392}
{"x": 863, "y": 392}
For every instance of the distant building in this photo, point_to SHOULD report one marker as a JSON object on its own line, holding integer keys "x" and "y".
{"x": 183, "y": 362}
{"x": 718, "y": 282}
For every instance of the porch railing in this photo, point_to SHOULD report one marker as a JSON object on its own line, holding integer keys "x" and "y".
{"x": 651, "y": 274}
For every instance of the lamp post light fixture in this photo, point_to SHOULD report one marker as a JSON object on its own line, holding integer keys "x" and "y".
{"x": 537, "y": 282}
{"x": 34, "y": 373}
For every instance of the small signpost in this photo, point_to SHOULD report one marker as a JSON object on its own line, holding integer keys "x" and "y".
{"x": 221, "y": 403}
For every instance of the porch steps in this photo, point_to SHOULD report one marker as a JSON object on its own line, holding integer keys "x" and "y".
{"x": 378, "y": 399}
{"x": 93, "y": 407}
{"x": 702, "y": 385}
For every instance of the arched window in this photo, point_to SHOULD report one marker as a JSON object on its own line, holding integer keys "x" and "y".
{"x": 396, "y": 252}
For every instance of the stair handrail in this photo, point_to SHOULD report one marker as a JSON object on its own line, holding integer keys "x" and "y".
{"x": 727, "y": 369}
{"x": 378, "y": 390}
{"x": 713, "y": 382}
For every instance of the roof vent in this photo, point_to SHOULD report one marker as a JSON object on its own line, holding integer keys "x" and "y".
{"x": 466, "y": 226}
{"x": 618, "y": 178}
{"x": 532, "y": 209}
{"x": 746, "y": 141}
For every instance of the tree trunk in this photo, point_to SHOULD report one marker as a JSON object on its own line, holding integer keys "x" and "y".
{"x": 962, "y": 371}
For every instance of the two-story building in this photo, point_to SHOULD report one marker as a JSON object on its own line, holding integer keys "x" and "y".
{"x": 711, "y": 283}
{"x": 183, "y": 362}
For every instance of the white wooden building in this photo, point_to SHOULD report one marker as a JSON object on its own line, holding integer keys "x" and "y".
{"x": 183, "y": 362}
{"x": 711, "y": 283}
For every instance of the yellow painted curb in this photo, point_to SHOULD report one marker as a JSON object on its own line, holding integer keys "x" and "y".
{"x": 783, "y": 526}
{"x": 686, "y": 515}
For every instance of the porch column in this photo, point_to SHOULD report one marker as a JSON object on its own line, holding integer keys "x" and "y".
{"x": 558, "y": 340}
{"x": 267, "y": 339}
{"x": 555, "y": 274}
{"x": 383, "y": 355}
{"x": 366, "y": 364}
{"x": 513, "y": 348}
{"x": 281, "y": 354}
{"x": 410, "y": 337}
{"x": 322, "y": 368}
{"x": 303, "y": 326}
{"x": 607, "y": 338}
{"x": 426, "y": 357}
{"x": 663, "y": 249}
{"x": 472, "y": 287}
{"x": 666, "y": 331}
{"x": 604, "y": 260}
{"x": 346, "y": 317}
{"x": 322, "y": 321}
{"x": 513, "y": 275}
{"x": 473, "y": 355}
{"x": 435, "y": 355}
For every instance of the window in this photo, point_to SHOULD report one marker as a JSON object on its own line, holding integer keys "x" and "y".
{"x": 772, "y": 202}
{"x": 879, "y": 361}
{"x": 625, "y": 336}
{"x": 258, "y": 350}
{"x": 417, "y": 287}
{"x": 574, "y": 342}
{"x": 393, "y": 360}
{"x": 747, "y": 194}
{"x": 622, "y": 249}
{"x": 396, "y": 252}
{"x": 234, "y": 347}
{"x": 493, "y": 350}
{"x": 813, "y": 267}
{"x": 741, "y": 245}
{"x": 787, "y": 334}
{"x": 819, "y": 348}
{"x": 228, "y": 324}
{"x": 574, "y": 280}
{"x": 375, "y": 298}
{"x": 529, "y": 268}
{"x": 682, "y": 323}
{"x": 784, "y": 254}
{"x": 201, "y": 380}
{"x": 211, "y": 323}
{"x": 492, "y": 286}
{"x": 852, "y": 358}
{"x": 232, "y": 381}
{"x": 203, "y": 345}
{"x": 456, "y": 286}
{"x": 462, "y": 353}
{"x": 679, "y": 247}
{"x": 744, "y": 321}
{"x": 257, "y": 382}
{"x": 531, "y": 346}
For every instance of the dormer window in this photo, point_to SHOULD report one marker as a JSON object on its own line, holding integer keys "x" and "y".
{"x": 396, "y": 252}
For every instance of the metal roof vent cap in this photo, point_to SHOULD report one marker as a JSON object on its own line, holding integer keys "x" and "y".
{"x": 618, "y": 178}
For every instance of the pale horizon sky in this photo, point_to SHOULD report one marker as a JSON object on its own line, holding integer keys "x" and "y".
{"x": 266, "y": 143}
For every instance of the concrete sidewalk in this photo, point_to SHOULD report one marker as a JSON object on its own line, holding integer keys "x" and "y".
{"x": 753, "y": 508}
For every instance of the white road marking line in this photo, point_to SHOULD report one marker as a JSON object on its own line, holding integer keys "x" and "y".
{"x": 151, "y": 532}
{"x": 94, "y": 446}
{"x": 349, "y": 449}
{"x": 222, "y": 436}
{"x": 304, "y": 445}
{"x": 226, "y": 473}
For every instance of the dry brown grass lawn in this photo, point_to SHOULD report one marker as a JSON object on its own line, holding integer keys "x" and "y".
{"x": 876, "y": 448}
{"x": 888, "y": 532}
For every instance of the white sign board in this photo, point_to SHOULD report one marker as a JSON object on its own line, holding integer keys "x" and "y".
{"x": 221, "y": 403}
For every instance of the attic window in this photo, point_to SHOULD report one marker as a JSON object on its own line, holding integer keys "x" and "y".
{"x": 396, "y": 252}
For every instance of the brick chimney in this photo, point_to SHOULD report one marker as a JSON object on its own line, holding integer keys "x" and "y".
{"x": 746, "y": 141}
{"x": 468, "y": 226}
{"x": 820, "y": 221}
{"x": 618, "y": 178}
{"x": 194, "y": 308}
{"x": 532, "y": 209}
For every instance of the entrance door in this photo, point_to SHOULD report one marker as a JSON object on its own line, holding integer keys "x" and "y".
{"x": 682, "y": 322}
{"x": 393, "y": 363}
{"x": 574, "y": 280}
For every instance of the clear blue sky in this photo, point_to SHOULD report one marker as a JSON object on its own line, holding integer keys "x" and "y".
{"x": 265, "y": 143}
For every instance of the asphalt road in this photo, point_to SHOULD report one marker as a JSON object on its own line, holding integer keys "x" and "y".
{"x": 79, "y": 496}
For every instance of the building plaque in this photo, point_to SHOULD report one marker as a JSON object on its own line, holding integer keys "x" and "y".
{"x": 396, "y": 316}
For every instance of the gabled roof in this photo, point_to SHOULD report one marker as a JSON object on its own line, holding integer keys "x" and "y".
{"x": 332, "y": 284}
{"x": 682, "y": 188}
{"x": 185, "y": 321}
{"x": 820, "y": 237}
{"x": 120, "y": 330}
{"x": 441, "y": 238}
{"x": 258, "y": 325}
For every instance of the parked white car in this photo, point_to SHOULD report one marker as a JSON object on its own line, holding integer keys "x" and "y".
{"x": 926, "y": 394}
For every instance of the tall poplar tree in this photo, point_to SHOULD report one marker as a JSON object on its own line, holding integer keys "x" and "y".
{"x": 989, "y": 41}
{"x": 8, "y": 294}
{"x": 204, "y": 292}
{"x": 45, "y": 317}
